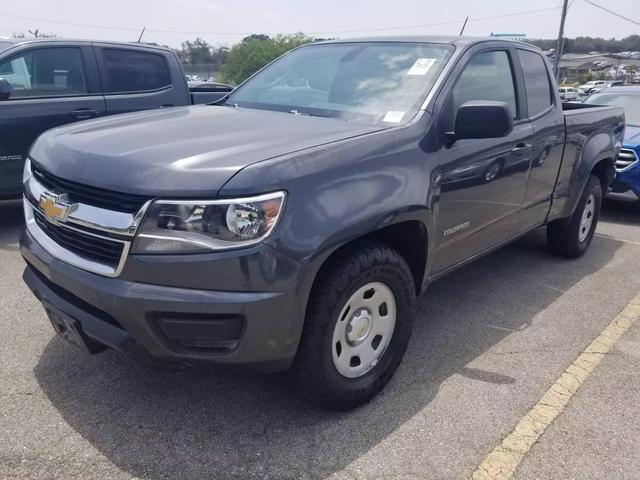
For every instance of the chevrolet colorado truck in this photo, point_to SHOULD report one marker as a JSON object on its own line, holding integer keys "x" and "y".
{"x": 292, "y": 225}
{"x": 45, "y": 83}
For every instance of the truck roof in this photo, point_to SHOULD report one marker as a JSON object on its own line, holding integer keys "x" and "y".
{"x": 444, "y": 39}
{"x": 10, "y": 42}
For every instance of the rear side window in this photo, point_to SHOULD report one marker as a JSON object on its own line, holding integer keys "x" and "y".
{"x": 487, "y": 76}
{"x": 45, "y": 72}
{"x": 536, "y": 82}
{"x": 130, "y": 71}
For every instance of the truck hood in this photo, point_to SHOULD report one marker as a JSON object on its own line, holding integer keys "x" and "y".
{"x": 632, "y": 135}
{"x": 180, "y": 152}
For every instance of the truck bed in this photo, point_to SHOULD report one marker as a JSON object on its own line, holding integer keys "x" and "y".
{"x": 590, "y": 130}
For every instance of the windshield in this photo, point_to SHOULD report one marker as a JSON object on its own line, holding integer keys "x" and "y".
{"x": 629, "y": 101}
{"x": 369, "y": 82}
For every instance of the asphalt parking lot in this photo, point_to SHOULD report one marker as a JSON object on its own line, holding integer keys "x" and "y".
{"x": 490, "y": 339}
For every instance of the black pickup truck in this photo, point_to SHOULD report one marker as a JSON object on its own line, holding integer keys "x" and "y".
{"x": 45, "y": 83}
{"x": 294, "y": 224}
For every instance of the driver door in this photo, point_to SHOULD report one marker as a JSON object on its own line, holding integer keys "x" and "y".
{"x": 481, "y": 181}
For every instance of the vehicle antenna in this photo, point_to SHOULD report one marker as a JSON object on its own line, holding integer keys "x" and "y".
{"x": 141, "y": 33}
{"x": 464, "y": 25}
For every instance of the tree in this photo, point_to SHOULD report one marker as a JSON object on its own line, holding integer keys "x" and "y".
{"x": 590, "y": 44}
{"x": 198, "y": 51}
{"x": 585, "y": 77}
{"x": 38, "y": 34}
{"x": 254, "y": 52}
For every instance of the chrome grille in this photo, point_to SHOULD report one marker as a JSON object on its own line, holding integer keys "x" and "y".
{"x": 98, "y": 197}
{"x": 626, "y": 158}
{"x": 86, "y": 245}
{"x": 84, "y": 235}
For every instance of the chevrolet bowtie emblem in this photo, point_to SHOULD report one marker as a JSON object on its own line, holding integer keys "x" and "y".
{"x": 52, "y": 208}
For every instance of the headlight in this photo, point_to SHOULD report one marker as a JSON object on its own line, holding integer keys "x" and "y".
{"x": 26, "y": 171}
{"x": 184, "y": 226}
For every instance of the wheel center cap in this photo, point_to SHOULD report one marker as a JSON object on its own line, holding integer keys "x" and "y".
{"x": 359, "y": 326}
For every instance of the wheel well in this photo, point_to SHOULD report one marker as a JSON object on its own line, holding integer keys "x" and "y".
{"x": 604, "y": 170}
{"x": 408, "y": 238}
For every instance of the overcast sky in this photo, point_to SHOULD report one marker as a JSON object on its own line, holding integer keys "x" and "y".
{"x": 224, "y": 22}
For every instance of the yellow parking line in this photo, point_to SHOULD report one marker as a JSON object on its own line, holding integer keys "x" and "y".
{"x": 503, "y": 461}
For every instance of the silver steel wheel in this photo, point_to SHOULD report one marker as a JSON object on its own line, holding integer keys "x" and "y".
{"x": 587, "y": 217}
{"x": 492, "y": 172}
{"x": 363, "y": 329}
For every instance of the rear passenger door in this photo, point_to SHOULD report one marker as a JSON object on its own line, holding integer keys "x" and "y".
{"x": 138, "y": 79}
{"x": 544, "y": 113}
{"x": 51, "y": 85}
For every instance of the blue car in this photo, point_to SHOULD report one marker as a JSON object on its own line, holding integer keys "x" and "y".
{"x": 627, "y": 182}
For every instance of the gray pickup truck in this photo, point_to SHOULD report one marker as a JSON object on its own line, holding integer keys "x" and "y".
{"x": 45, "y": 83}
{"x": 293, "y": 225}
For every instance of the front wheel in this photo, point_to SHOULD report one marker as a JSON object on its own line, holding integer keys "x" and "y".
{"x": 357, "y": 327}
{"x": 571, "y": 237}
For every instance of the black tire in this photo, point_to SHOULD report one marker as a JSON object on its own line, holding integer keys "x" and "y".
{"x": 313, "y": 369}
{"x": 490, "y": 174}
{"x": 563, "y": 236}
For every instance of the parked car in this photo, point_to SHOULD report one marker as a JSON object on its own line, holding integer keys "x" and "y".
{"x": 587, "y": 87}
{"x": 293, "y": 225}
{"x": 627, "y": 182}
{"x": 568, "y": 94}
{"x": 608, "y": 84}
{"x": 48, "y": 83}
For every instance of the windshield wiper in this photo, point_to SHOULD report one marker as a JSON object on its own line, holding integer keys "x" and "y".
{"x": 307, "y": 114}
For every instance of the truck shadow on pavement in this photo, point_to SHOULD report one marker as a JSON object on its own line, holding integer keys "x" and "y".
{"x": 12, "y": 222}
{"x": 210, "y": 424}
{"x": 621, "y": 213}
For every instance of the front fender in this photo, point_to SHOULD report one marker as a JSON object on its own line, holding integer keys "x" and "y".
{"x": 344, "y": 191}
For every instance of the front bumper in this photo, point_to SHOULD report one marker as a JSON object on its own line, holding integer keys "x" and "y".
{"x": 237, "y": 308}
{"x": 627, "y": 184}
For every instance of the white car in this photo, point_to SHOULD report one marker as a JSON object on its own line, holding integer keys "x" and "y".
{"x": 587, "y": 87}
{"x": 568, "y": 94}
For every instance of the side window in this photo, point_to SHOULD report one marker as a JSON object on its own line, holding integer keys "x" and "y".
{"x": 130, "y": 71}
{"x": 45, "y": 72}
{"x": 536, "y": 82}
{"x": 487, "y": 76}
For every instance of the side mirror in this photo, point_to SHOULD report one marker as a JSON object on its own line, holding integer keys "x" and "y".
{"x": 482, "y": 119}
{"x": 5, "y": 89}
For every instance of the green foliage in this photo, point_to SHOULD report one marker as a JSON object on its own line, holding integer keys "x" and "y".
{"x": 585, "y": 77}
{"x": 200, "y": 52}
{"x": 254, "y": 52}
{"x": 590, "y": 44}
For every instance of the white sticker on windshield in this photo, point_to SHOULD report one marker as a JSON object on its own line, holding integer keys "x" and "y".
{"x": 422, "y": 66}
{"x": 393, "y": 116}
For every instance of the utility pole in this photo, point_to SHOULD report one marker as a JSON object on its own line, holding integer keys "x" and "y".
{"x": 559, "y": 43}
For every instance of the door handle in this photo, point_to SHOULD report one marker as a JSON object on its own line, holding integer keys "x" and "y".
{"x": 167, "y": 105}
{"x": 519, "y": 149}
{"x": 83, "y": 113}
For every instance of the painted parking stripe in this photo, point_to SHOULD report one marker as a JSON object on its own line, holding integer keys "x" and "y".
{"x": 503, "y": 461}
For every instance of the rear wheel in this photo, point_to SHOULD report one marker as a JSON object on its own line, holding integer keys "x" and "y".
{"x": 493, "y": 171}
{"x": 357, "y": 327}
{"x": 571, "y": 237}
